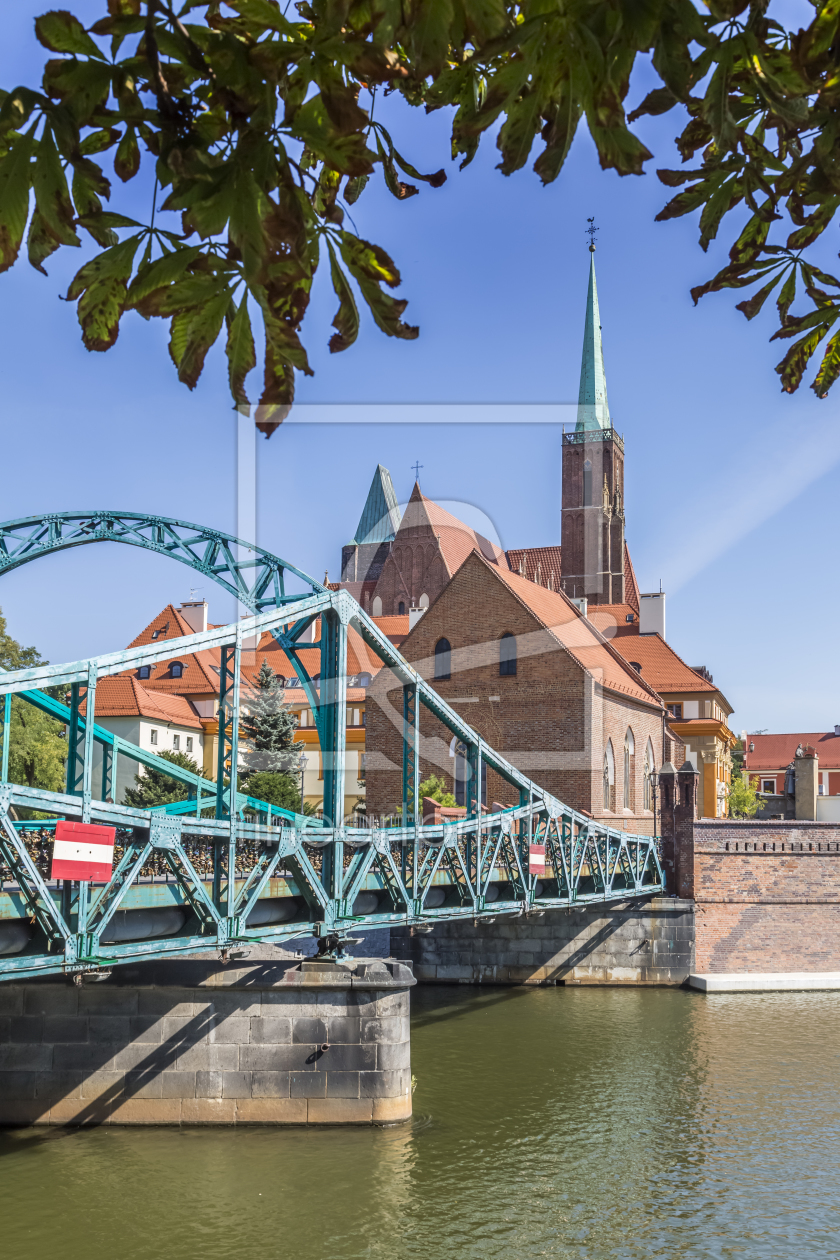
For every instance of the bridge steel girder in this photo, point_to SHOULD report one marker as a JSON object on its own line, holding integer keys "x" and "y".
{"x": 221, "y": 867}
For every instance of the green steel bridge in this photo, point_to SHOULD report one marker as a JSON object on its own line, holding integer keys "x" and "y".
{"x": 227, "y": 870}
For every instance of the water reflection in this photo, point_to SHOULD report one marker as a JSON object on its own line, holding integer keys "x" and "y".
{"x": 564, "y": 1123}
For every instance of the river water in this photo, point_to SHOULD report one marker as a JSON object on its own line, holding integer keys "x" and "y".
{"x": 548, "y": 1122}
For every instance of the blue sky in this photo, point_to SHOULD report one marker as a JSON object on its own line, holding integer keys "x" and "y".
{"x": 730, "y": 485}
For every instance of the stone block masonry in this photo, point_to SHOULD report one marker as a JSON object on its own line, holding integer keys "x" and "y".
{"x": 641, "y": 942}
{"x": 194, "y": 1043}
{"x": 768, "y": 896}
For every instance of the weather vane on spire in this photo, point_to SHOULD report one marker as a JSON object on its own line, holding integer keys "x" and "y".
{"x": 590, "y": 231}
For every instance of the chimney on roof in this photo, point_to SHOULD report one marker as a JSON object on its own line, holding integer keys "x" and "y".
{"x": 414, "y": 615}
{"x": 837, "y": 730}
{"x": 652, "y": 613}
{"x": 582, "y": 603}
{"x": 194, "y": 612}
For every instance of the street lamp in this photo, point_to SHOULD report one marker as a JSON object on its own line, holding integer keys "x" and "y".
{"x": 653, "y": 780}
{"x": 302, "y": 762}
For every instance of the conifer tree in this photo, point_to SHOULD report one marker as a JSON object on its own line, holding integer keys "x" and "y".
{"x": 268, "y": 726}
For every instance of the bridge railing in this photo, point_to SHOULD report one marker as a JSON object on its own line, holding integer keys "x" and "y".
{"x": 182, "y": 883}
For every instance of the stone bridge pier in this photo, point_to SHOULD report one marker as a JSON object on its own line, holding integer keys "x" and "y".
{"x": 194, "y": 1042}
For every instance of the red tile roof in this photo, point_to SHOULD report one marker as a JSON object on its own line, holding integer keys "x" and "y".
{"x": 457, "y": 539}
{"x": 662, "y": 668}
{"x": 776, "y": 752}
{"x": 201, "y": 669}
{"x": 611, "y": 619}
{"x": 631, "y": 586}
{"x": 123, "y": 696}
{"x": 392, "y": 625}
{"x": 542, "y": 565}
{"x": 560, "y": 616}
{"x": 538, "y": 564}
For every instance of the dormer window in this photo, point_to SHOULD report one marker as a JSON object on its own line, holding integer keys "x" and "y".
{"x": 156, "y": 634}
{"x": 177, "y": 669}
{"x": 145, "y": 671}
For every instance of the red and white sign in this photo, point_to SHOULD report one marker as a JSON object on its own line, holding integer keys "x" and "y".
{"x": 536, "y": 859}
{"x": 83, "y": 851}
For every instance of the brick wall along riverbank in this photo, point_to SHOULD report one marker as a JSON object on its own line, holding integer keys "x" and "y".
{"x": 767, "y": 896}
{"x": 644, "y": 942}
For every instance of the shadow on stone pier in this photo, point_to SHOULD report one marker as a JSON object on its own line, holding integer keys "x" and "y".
{"x": 192, "y": 1042}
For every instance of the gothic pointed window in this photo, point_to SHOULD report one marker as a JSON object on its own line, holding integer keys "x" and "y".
{"x": 443, "y": 659}
{"x": 401, "y": 609}
{"x": 629, "y": 760}
{"x": 587, "y": 483}
{"x": 609, "y": 777}
{"x": 507, "y": 656}
{"x": 650, "y": 765}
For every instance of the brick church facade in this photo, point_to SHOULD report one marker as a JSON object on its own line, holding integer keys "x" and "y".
{"x": 527, "y": 670}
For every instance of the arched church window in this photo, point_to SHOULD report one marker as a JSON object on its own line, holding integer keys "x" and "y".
{"x": 507, "y": 656}
{"x": 629, "y": 750}
{"x": 650, "y": 766}
{"x": 376, "y": 611}
{"x": 609, "y": 776}
{"x": 424, "y": 601}
{"x": 587, "y": 483}
{"x": 401, "y": 609}
{"x": 443, "y": 659}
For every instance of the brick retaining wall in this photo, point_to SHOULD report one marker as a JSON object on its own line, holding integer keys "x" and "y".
{"x": 643, "y": 942}
{"x": 767, "y": 895}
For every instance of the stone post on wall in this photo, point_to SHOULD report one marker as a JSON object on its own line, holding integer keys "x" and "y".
{"x": 668, "y": 793}
{"x": 678, "y": 804}
{"x": 807, "y": 765}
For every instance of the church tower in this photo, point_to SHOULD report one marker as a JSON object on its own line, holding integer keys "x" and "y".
{"x": 362, "y": 559}
{"x": 592, "y": 518}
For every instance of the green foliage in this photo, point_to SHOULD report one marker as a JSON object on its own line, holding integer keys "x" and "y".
{"x": 268, "y": 725}
{"x": 737, "y": 754}
{"x": 37, "y": 751}
{"x": 435, "y": 788}
{"x": 154, "y": 787}
{"x": 744, "y": 801}
{"x": 260, "y": 127}
{"x": 276, "y": 789}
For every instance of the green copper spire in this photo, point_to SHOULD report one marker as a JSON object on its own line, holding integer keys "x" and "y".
{"x": 381, "y": 517}
{"x": 593, "y": 409}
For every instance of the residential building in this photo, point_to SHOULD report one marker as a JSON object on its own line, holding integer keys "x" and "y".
{"x": 188, "y": 682}
{"x": 698, "y": 710}
{"x": 156, "y": 722}
{"x": 767, "y": 759}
